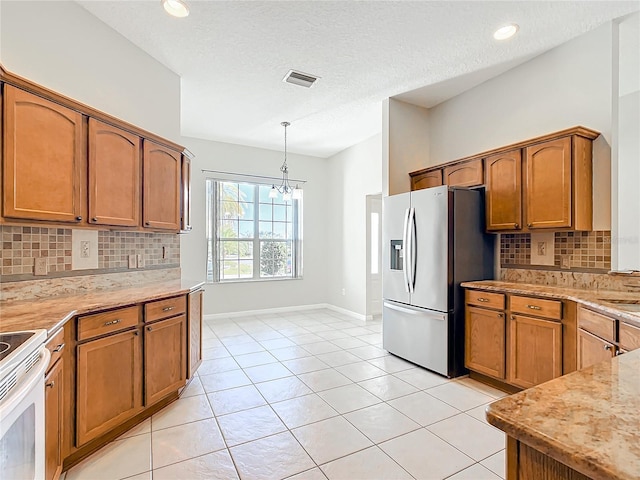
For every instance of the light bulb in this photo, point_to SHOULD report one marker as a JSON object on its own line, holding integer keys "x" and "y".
{"x": 273, "y": 193}
{"x": 286, "y": 195}
{"x": 505, "y": 32}
{"x": 176, "y": 8}
{"x": 297, "y": 193}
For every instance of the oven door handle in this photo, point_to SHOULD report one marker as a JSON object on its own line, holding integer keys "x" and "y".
{"x": 27, "y": 383}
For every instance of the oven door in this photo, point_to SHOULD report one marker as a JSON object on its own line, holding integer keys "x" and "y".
{"x": 22, "y": 425}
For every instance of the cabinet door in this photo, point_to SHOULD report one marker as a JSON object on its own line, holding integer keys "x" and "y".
{"x": 548, "y": 184}
{"x": 109, "y": 384}
{"x": 592, "y": 349}
{"x": 165, "y": 355}
{"x": 53, "y": 401}
{"x": 503, "y": 183}
{"x": 427, "y": 180}
{"x": 195, "y": 332}
{"x": 535, "y": 351}
{"x": 465, "y": 174}
{"x": 161, "y": 187}
{"x": 485, "y": 341}
{"x": 43, "y": 159}
{"x": 114, "y": 176}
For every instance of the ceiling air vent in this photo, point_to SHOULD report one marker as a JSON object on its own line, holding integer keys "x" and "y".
{"x": 299, "y": 78}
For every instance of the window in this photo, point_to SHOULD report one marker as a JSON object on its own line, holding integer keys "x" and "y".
{"x": 251, "y": 236}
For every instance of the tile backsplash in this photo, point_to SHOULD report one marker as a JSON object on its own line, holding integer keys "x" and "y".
{"x": 573, "y": 251}
{"x": 22, "y": 245}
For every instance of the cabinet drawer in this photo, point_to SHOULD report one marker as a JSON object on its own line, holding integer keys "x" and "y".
{"x": 166, "y": 308}
{"x": 485, "y": 299}
{"x": 629, "y": 336}
{"x": 598, "y": 324}
{"x": 535, "y": 306}
{"x": 98, "y": 324}
{"x": 55, "y": 345}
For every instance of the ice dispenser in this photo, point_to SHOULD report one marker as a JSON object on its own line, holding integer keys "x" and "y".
{"x": 396, "y": 255}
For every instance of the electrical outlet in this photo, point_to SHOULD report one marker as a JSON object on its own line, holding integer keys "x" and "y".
{"x": 542, "y": 248}
{"x": 565, "y": 261}
{"x": 133, "y": 261}
{"x": 85, "y": 249}
{"x": 41, "y": 266}
{"x": 140, "y": 261}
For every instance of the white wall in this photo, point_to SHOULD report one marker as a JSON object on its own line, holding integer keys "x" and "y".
{"x": 61, "y": 46}
{"x": 405, "y": 143}
{"x": 626, "y": 147}
{"x": 354, "y": 173}
{"x": 234, "y": 297}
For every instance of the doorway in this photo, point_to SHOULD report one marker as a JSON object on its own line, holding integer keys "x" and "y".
{"x": 374, "y": 255}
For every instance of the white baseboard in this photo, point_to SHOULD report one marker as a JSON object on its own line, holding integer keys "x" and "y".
{"x": 296, "y": 308}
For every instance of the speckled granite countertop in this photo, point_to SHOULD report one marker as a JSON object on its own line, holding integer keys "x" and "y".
{"x": 52, "y": 313}
{"x": 589, "y": 420}
{"x": 595, "y": 299}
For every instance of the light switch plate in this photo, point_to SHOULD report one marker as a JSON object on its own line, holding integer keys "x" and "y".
{"x": 542, "y": 248}
{"x": 84, "y": 249}
{"x": 133, "y": 261}
{"x": 139, "y": 260}
{"x": 41, "y": 267}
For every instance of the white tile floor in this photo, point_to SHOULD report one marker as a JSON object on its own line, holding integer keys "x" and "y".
{"x": 308, "y": 395}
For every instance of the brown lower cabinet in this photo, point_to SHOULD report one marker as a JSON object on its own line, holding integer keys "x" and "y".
{"x": 485, "y": 341}
{"x": 535, "y": 350}
{"x": 54, "y": 402}
{"x": 109, "y": 383}
{"x": 592, "y": 349}
{"x": 165, "y": 358}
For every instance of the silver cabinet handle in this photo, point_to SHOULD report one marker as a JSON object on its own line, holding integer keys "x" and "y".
{"x": 481, "y": 299}
{"x": 149, "y": 329}
{"x": 59, "y": 348}
{"x": 167, "y": 309}
{"x": 500, "y": 315}
{"x": 112, "y": 322}
{"x": 608, "y": 347}
{"x": 534, "y": 307}
{"x": 50, "y": 384}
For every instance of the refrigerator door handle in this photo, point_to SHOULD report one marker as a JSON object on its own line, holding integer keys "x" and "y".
{"x": 411, "y": 311}
{"x": 411, "y": 251}
{"x": 405, "y": 263}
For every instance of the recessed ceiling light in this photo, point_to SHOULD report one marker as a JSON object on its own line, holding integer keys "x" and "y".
{"x": 505, "y": 32}
{"x": 177, "y": 8}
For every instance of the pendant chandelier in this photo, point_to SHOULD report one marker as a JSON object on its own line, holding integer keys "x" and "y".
{"x": 285, "y": 189}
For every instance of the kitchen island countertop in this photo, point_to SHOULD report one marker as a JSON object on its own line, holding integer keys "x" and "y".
{"x": 588, "y": 420}
{"x": 51, "y": 313}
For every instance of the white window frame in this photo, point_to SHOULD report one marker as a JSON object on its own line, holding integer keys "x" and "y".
{"x": 214, "y": 241}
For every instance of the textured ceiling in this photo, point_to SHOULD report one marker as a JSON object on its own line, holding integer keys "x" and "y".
{"x": 232, "y": 56}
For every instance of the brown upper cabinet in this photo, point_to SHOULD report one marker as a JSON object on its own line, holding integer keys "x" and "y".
{"x": 161, "y": 187}
{"x": 43, "y": 159}
{"x": 464, "y": 174}
{"x": 64, "y": 162}
{"x": 114, "y": 175}
{"x": 428, "y": 179}
{"x": 503, "y": 197}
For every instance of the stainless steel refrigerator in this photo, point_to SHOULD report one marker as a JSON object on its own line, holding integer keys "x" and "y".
{"x": 433, "y": 239}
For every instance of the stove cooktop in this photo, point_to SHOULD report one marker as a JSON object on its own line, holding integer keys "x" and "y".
{"x": 10, "y": 342}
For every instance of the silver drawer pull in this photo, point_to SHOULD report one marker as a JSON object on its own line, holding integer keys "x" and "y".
{"x": 481, "y": 299}
{"x": 167, "y": 309}
{"x": 608, "y": 347}
{"x": 50, "y": 385}
{"x": 112, "y": 322}
{"x": 58, "y": 348}
{"x": 534, "y": 307}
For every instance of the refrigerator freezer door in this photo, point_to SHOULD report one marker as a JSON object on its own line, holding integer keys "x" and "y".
{"x": 417, "y": 335}
{"x": 395, "y": 211}
{"x": 431, "y": 248}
